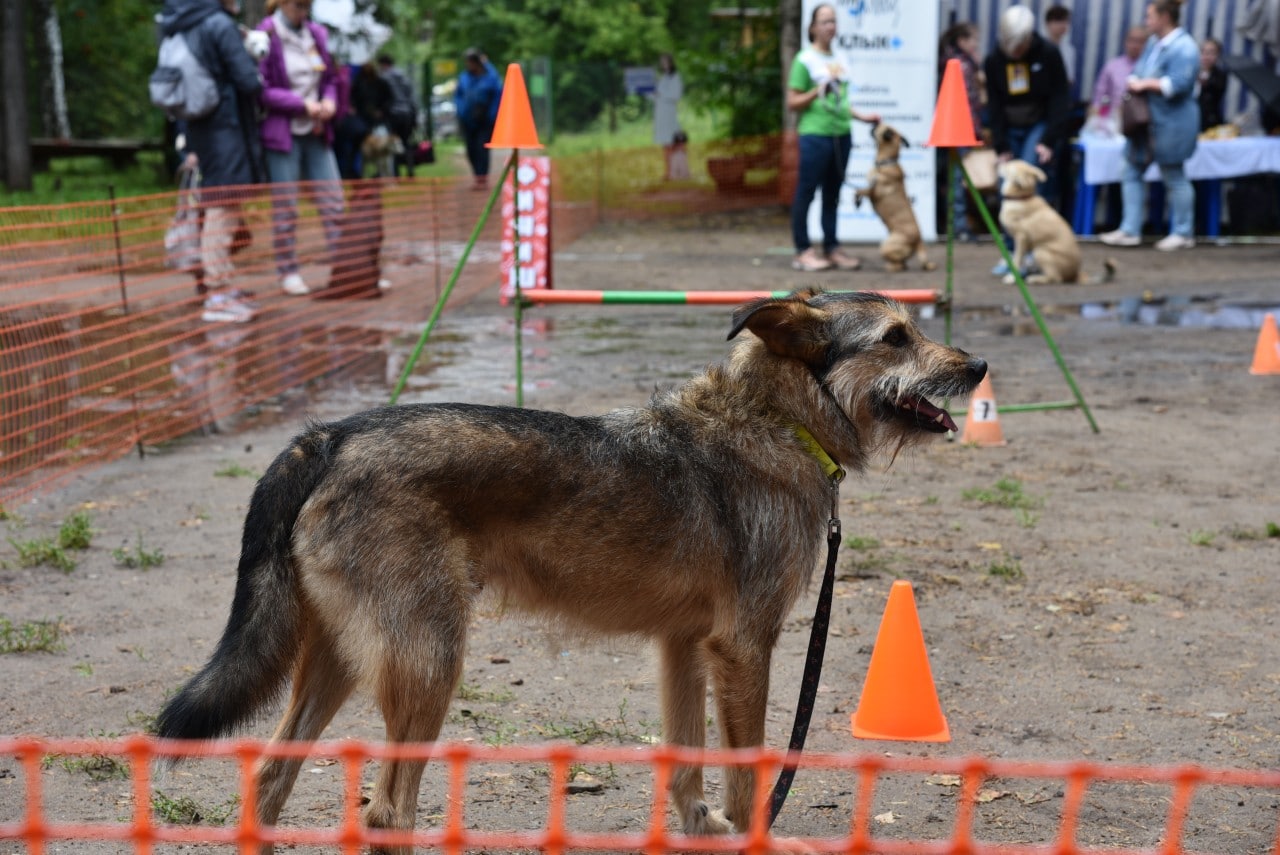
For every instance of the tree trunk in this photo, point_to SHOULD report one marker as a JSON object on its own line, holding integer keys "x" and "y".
{"x": 49, "y": 65}
{"x": 13, "y": 82}
{"x": 788, "y": 46}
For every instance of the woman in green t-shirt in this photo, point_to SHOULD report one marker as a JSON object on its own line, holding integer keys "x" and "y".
{"x": 818, "y": 89}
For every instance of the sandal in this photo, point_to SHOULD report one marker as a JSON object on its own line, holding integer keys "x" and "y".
{"x": 843, "y": 262}
{"x": 810, "y": 262}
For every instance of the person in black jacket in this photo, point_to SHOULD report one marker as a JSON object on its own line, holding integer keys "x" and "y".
{"x": 1028, "y": 98}
{"x": 224, "y": 144}
{"x": 1213, "y": 85}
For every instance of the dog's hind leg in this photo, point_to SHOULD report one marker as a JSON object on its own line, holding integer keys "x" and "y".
{"x": 415, "y": 687}
{"x": 321, "y": 684}
{"x": 740, "y": 673}
{"x": 684, "y": 722}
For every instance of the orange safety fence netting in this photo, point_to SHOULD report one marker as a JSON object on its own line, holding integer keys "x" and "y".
{"x": 104, "y": 349}
{"x": 1176, "y": 797}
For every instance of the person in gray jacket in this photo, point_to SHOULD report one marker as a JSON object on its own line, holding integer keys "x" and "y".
{"x": 1166, "y": 75}
{"x": 223, "y": 145}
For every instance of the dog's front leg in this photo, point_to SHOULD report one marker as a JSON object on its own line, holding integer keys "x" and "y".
{"x": 740, "y": 672}
{"x": 684, "y": 722}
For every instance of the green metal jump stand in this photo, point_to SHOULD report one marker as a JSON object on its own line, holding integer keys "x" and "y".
{"x": 953, "y": 129}
{"x": 513, "y": 129}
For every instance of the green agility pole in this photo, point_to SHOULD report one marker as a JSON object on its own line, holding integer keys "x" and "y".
{"x": 1031, "y": 305}
{"x": 448, "y": 289}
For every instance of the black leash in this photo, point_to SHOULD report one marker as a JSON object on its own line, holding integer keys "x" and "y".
{"x": 813, "y": 661}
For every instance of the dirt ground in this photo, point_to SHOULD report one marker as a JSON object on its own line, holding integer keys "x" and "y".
{"x": 1125, "y": 611}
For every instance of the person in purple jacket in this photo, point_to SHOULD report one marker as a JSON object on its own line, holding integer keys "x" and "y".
{"x": 303, "y": 93}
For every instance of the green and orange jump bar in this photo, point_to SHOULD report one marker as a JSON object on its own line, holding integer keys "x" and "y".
{"x": 549, "y": 296}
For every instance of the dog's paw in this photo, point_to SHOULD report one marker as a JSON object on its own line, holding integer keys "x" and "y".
{"x": 704, "y": 821}
{"x": 1009, "y": 279}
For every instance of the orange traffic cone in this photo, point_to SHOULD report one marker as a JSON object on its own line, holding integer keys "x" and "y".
{"x": 982, "y": 421}
{"x": 514, "y": 126}
{"x": 952, "y": 121}
{"x": 898, "y": 698}
{"x": 1266, "y": 356}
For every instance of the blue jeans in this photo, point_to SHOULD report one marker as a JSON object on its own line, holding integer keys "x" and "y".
{"x": 1178, "y": 190}
{"x": 823, "y": 161}
{"x": 311, "y": 160}
{"x": 1022, "y": 143}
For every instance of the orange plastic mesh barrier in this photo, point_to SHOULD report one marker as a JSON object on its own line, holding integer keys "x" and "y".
{"x": 862, "y": 832}
{"x": 104, "y": 349}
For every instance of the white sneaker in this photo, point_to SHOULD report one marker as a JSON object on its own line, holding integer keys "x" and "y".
{"x": 384, "y": 284}
{"x": 293, "y": 284}
{"x": 225, "y": 308}
{"x": 1120, "y": 238}
{"x": 1172, "y": 242}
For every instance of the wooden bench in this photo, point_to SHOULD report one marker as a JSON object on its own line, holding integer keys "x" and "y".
{"x": 121, "y": 152}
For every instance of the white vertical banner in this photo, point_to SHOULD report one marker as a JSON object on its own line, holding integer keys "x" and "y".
{"x": 891, "y": 50}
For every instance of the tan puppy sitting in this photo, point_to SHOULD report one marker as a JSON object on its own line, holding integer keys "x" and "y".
{"x": 888, "y": 193}
{"x": 1037, "y": 227}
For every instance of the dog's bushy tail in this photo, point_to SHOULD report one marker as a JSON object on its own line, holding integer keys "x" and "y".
{"x": 252, "y": 661}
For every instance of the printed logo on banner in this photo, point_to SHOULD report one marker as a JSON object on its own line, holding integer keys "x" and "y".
{"x": 863, "y": 10}
{"x": 526, "y": 214}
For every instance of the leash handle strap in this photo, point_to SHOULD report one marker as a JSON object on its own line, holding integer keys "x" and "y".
{"x": 812, "y": 663}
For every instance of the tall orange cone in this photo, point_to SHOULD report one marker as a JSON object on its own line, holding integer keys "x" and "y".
{"x": 952, "y": 121}
{"x": 898, "y": 698}
{"x": 982, "y": 421}
{"x": 514, "y": 126}
{"x": 1266, "y": 356}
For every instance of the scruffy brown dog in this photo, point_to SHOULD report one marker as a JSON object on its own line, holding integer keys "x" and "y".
{"x": 695, "y": 521}
{"x": 887, "y": 190}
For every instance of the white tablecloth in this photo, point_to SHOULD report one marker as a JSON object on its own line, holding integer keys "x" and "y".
{"x": 1104, "y": 159}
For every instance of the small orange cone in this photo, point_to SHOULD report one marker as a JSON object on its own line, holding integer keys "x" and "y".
{"x": 952, "y": 121}
{"x": 1266, "y": 356}
{"x": 982, "y": 421}
{"x": 514, "y": 126}
{"x": 898, "y": 698}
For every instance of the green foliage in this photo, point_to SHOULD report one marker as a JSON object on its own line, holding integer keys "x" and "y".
{"x": 1007, "y": 493}
{"x": 44, "y": 636}
{"x": 187, "y": 811}
{"x": 1007, "y": 569}
{"x": 75, "y": 532}
{"x": 140, "y": 557}
{"x": 41, "y": 550}
{"x": 234, "y": 470}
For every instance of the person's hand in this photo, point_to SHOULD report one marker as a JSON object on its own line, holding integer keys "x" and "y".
{"x": 1004, "y": 156}
{"x": 191, "y": 161}
{"x": 327, "y": 109}
{"x": 313, "y": 109}
{"x": 1044, "y": 154}
{"x": 869, "y": 118}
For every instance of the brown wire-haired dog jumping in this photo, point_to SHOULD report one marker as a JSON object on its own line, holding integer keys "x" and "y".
{"x": 695, "y": 521}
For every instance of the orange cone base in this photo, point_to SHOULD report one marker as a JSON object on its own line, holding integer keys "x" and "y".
{"x": 899, "y": 701}
{"x": 1266, "y": 356}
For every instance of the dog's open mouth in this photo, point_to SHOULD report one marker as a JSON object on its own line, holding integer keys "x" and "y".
{"x": 924, "y": 415}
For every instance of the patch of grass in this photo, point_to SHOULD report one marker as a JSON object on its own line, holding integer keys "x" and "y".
{"x": 99, "y": 767}
{"x": 142, "y": 721}
{"x": 1006, "y": 493}
{"x": 84, "y": 669}
{"x": 41, "y": 550}
{"x": 1007, "y": 569}
{"x": 473, "y": 692}
{"x": 1272, "y": 530}
{"x": 75, "y": 532}
{"x": 139, "y": 557}
{"x": 619, "y": 730}
{"x": 42, "y": 636}
{"x": 1026, "y": 518}
{"x": 234, "y": 470}
{"x": 858, "y": 542}
{"x": 187, "y": 811}
{"x": 1201, "y": 538}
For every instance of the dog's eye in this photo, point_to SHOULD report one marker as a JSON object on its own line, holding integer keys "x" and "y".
{"x": 896, "y": 336}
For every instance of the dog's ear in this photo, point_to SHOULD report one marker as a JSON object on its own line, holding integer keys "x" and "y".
{"x": 904, "y": 141}
{"x": 788, "y": 327}
{"x": 1039, "y": 174}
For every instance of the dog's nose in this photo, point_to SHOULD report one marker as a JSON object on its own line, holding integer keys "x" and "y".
{"x": 976, "y": 369}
